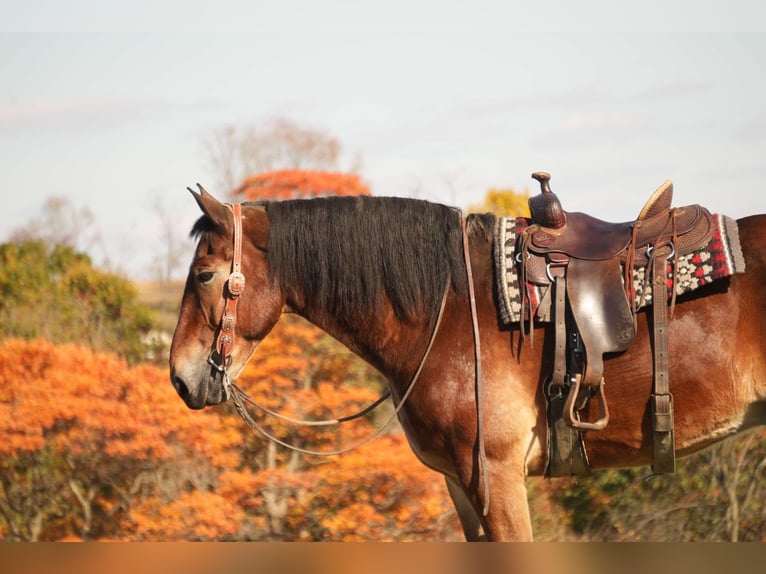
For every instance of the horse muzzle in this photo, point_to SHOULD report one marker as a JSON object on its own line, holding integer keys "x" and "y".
{"x": 199, "y": 392}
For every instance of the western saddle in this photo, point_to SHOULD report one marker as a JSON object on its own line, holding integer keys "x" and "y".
{"x": 589, "y": 265}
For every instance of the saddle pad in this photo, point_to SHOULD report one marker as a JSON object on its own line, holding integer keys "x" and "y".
{"x": 721, "y": 258}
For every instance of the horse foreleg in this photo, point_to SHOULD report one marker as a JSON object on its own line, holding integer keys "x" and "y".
{"x": 469, "y": 519}
{"x": 508, "y": 518}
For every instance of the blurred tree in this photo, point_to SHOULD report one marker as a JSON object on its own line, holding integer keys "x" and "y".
{"x": 60, "y": 223}
{"x": 715, "y": 495}
{"x": 295, "y": 184}
{"x": 378, "y": 493}
{"x": 279, "y": 144}
{"x": 198, "y": 514}
{"x": 86, "y": 440}
{"x": 503, "y": 202}
{"x": 54, "y": 292}
{"x": 173, "y": 249}
{"x": 92, "y": 448}
{"x": 739, "y": 467}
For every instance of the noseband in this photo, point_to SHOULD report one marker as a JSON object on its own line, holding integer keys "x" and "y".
{"x": 224, "y": 344}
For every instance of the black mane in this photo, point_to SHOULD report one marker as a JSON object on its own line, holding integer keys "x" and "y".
{"x": 342, "y": 253}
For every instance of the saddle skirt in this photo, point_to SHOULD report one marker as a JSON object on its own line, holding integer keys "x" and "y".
{"x": 720, "y": 258}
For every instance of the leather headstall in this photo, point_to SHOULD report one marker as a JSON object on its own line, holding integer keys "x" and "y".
{"x": 224, "y": 344}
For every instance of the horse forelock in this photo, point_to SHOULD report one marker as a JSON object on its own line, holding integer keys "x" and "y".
{"x": 344, "y": 253}
{"x": 203, "y": 226}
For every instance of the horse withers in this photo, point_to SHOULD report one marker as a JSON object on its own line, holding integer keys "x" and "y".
{"x": 376, "y": 273}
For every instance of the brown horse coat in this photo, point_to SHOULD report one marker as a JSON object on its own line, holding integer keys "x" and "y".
{"x": 374, "y": 282}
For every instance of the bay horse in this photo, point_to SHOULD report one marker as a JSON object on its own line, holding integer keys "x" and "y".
{"x": 376, "y": 272}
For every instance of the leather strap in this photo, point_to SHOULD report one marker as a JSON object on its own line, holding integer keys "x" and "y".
{"x": 234, "y": 286}
{"x": 559, "y": 317}
{"x": 477, "y": 357}
{"x": 662, "y": 400}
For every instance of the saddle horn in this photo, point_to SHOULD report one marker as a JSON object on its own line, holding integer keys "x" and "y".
{"x": 545, "y": 207}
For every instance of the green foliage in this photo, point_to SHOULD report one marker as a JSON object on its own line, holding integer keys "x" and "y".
{"x": 57, "y": 294}
{"x": 27, "y": 502}
{"x": 715, "y": 495}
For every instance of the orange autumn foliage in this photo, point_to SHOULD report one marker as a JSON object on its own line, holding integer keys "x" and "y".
{"x": 69, "y": 397}
{"x": 193, "y": 515}
{"x": 83, "y": 436}
{"x": 387, "y": 494}
{"x": 91, "y": 448}
{"x": 302, "y": 373}
{"x": 296, "y": 184}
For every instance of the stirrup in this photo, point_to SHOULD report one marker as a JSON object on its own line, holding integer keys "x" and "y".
{"x": 569, "y": 407}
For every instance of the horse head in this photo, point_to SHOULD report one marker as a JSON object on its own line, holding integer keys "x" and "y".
{"x": 211, "y": 306}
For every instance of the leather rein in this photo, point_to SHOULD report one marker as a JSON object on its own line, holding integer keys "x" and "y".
{"x": 224, "y": 345}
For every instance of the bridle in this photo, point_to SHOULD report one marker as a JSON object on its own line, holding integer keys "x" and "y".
{"x": 224, "y": 345}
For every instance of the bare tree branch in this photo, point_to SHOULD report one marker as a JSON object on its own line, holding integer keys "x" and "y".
{"x": 235, "y": 153}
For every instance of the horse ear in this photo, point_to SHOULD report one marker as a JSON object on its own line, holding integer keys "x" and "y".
{"x": 214, "y": 209}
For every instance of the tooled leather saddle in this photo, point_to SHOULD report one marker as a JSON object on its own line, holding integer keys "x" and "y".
{"x": 589, "y": 265}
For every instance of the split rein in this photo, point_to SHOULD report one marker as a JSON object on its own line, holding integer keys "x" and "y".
{"x": 224, "y": 345}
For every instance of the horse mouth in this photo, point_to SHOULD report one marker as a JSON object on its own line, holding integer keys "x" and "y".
{"x": 207, "y": 393}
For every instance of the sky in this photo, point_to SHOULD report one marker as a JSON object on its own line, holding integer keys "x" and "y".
{"x": 109, "y": 104}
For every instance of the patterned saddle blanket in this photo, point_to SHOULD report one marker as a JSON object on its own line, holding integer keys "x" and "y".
{"x": 721, "y": 258}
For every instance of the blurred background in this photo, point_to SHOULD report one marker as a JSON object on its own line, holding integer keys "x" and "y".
{"x": 107, "y": 114}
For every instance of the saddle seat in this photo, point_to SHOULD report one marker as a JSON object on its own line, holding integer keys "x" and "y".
{"x": 589, "y": 264}
{"x": 583, "y": 236}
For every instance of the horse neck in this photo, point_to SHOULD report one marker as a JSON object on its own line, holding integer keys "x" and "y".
{"x": 392, "y": 346}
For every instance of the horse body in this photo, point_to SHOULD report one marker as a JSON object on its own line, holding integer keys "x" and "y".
{"x": 718, "y": 370}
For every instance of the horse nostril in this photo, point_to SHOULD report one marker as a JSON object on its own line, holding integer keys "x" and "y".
{"x": 180, "y": 386}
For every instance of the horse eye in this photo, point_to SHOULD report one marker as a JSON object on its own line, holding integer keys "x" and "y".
{"x": 205, "y": 276}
